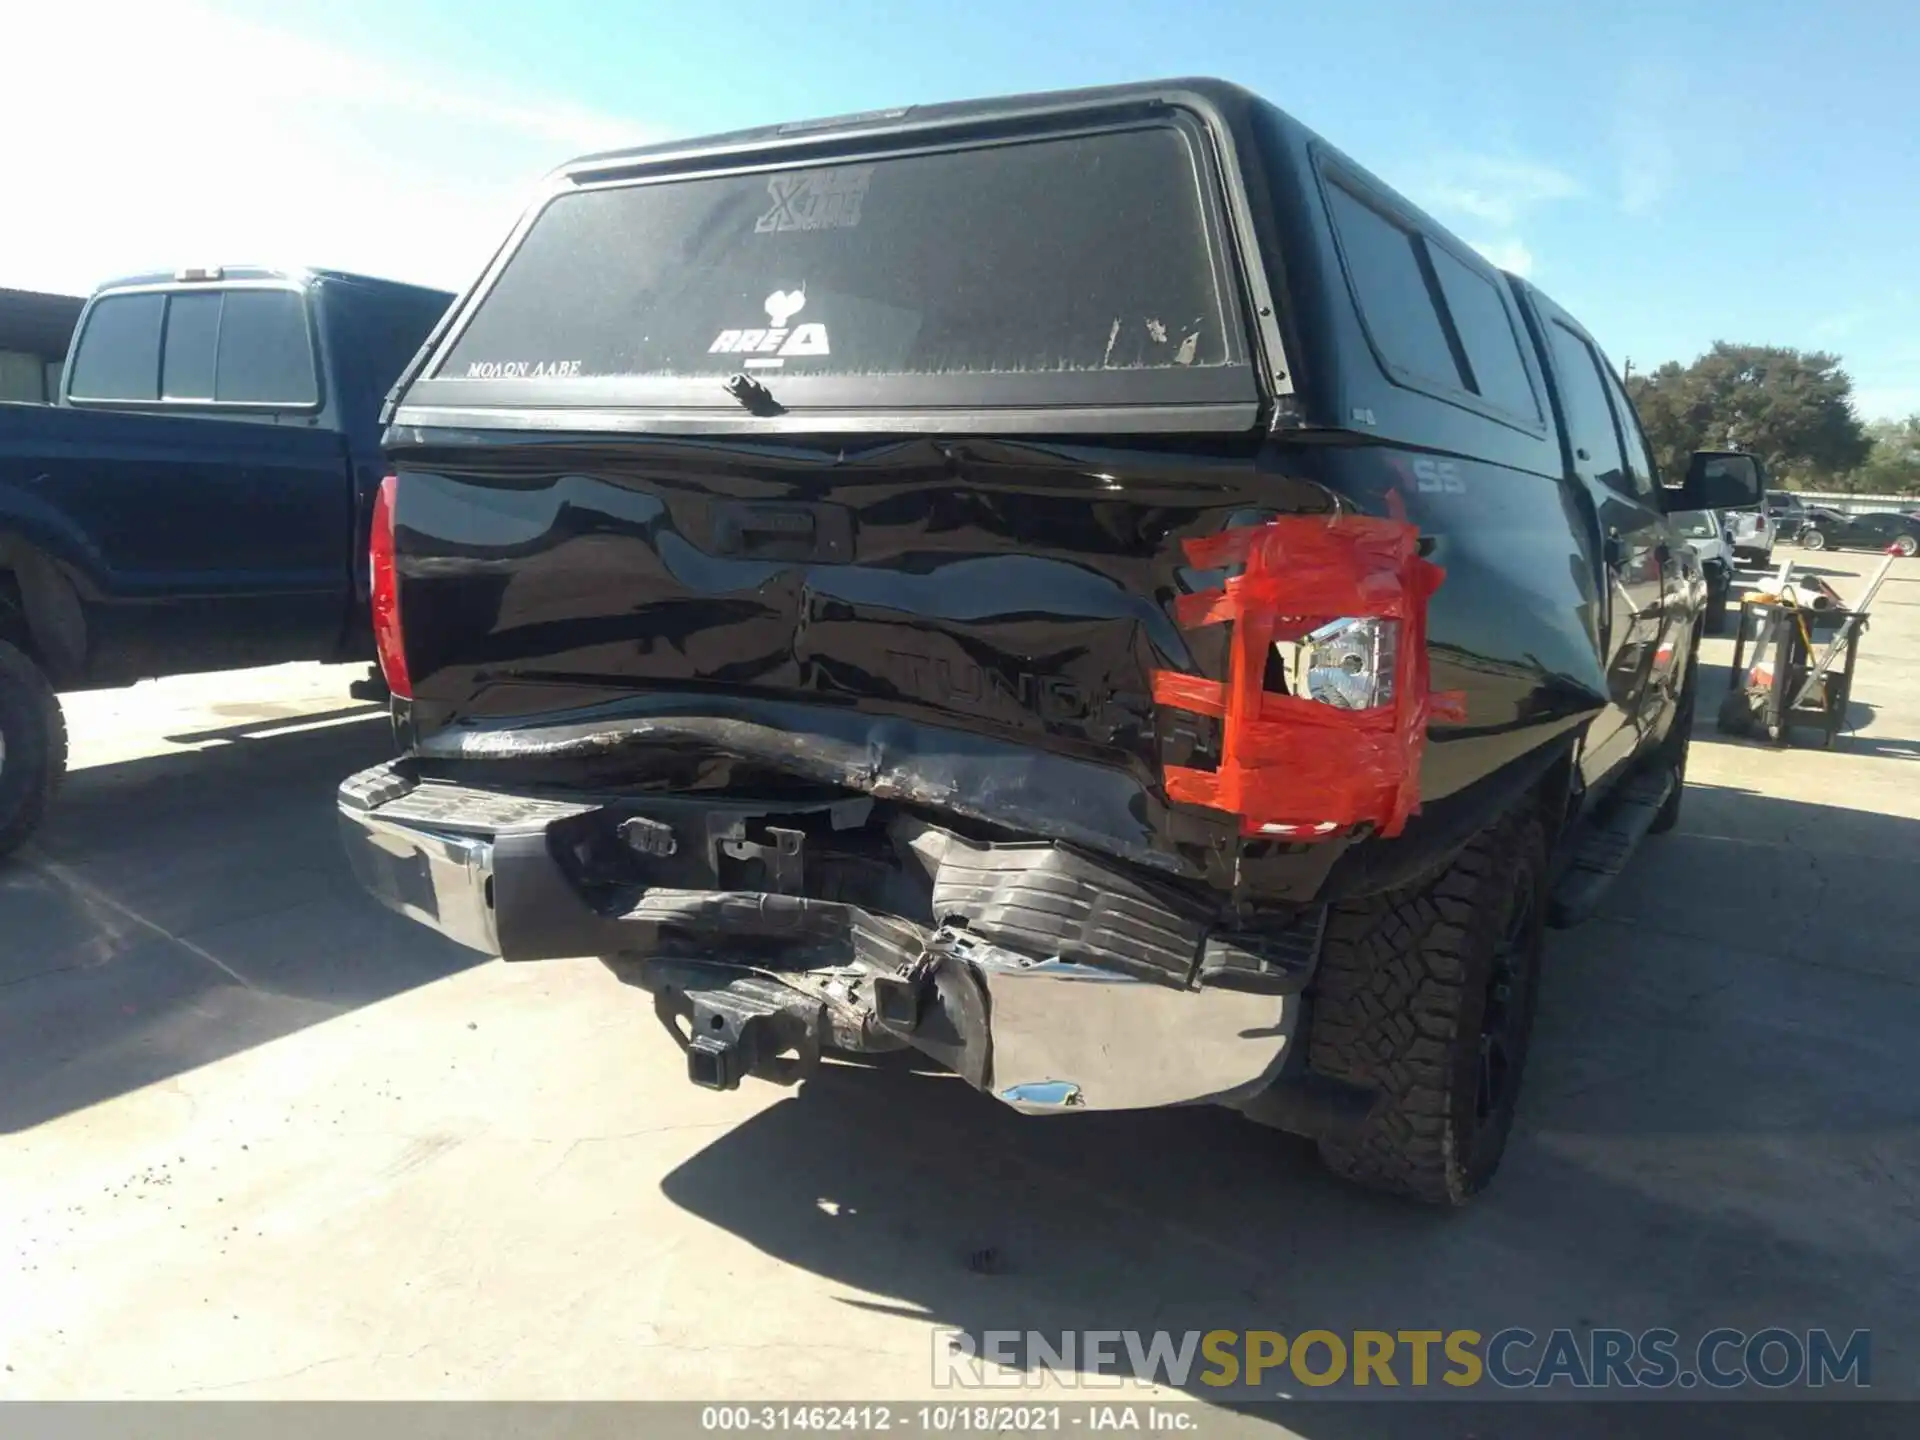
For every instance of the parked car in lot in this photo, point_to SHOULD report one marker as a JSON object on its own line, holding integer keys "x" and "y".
{"x": 1878, "y": 530}
{"x": 1133, "y": 664}
{"x": 200, "y": 497}
{"x": 1754, "y": 533}
{"x": 1710, "y": 537}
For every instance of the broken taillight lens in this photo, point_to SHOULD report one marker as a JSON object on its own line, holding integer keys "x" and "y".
{"x": 388, "y": 642}
{"x": 1347, "y": 663}
{"x": 1341, "y": 603}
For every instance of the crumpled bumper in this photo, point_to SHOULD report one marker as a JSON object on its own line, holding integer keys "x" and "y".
{"x": 1042, "y": 977}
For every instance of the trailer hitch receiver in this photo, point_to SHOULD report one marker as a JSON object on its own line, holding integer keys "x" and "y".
{"x": 733, "y": 1026}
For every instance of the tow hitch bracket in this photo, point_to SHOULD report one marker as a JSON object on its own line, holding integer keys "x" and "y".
{"x": 732, "y": 1026}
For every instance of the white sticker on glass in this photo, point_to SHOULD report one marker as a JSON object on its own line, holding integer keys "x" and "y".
{"x": 777, "y": 340}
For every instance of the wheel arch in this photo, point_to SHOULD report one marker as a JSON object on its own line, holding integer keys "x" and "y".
{"x": 40, "y": 610}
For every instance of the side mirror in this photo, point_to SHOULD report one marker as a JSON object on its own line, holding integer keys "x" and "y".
{"x": 1720, "y": 480}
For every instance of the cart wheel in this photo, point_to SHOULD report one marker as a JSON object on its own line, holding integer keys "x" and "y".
{"x": 1736, "y": 716}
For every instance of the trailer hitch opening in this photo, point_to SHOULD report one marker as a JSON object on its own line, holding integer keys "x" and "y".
{"x": 733, "y": 1026}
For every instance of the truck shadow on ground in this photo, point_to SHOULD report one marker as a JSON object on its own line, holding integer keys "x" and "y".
{"x": 1718, "y": 1129}
{"x": 183, "y": 907}
{"x": 295, "y": 719}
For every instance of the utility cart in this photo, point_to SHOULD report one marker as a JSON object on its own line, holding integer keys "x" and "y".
{"x": 1804, "y": 645}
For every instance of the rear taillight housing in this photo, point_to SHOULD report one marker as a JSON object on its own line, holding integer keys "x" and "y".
{"x": 388, "y": 642}
{"x": 1341, "y": 602}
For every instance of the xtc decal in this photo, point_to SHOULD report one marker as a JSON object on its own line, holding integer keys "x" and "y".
{"x": 769, "y": 347}
{"x": 815, "y": 199}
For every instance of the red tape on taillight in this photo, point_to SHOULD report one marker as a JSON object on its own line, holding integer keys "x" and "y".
{"x": 1290, "y": 766}
{"x": 388, "y": 641}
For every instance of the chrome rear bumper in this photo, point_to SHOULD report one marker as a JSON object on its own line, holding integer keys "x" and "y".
{"x": 1043, "y": 979}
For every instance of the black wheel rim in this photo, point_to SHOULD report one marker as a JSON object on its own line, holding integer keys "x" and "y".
{"x": 1504, "y": 1015}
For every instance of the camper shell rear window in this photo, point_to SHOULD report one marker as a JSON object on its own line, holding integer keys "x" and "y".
{"x": 1084, "y": 268}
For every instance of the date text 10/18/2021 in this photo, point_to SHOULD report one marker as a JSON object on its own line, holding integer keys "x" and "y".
{"x": 951, "y": 1419}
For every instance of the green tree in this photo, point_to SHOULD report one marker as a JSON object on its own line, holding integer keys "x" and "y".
{"x": 1675, "y": 414}
{"x": 1792, "y": 408}
{"x": 1893, "y": 466}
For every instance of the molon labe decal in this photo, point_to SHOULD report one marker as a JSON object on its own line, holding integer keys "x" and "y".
{"x": 523, "y": 369}
{"x": 769, "y": 347}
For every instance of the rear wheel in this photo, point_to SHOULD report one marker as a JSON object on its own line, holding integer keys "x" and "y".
{"x": 1717, "y": 593}
{"x": 1426, "y": 996}
{"x": 33, "y": 746}
{"x": 1673, "y": 757}
{"x": 1812, "y": 540}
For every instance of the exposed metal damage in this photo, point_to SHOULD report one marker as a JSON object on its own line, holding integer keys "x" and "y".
{"x": 774, "y": 930}
{"x": 1043, "y": 794}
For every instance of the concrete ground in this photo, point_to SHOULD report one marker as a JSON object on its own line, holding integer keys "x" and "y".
{"x": 259, "y": 1138}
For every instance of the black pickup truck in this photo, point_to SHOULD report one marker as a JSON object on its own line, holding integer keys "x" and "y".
{"x": 200, "y": 497}
{"x": 1094, "y": 587}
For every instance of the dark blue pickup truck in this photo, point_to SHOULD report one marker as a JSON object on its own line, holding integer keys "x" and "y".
{"x": 200, "y": 497}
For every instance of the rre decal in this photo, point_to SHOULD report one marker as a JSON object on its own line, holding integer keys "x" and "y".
{"x": 815, "y": 200}
{"x": 771, "y": 344}
{"x": 522, "y": 369}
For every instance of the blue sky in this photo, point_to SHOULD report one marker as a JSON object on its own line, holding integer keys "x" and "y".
{"x": 1674, "y": 173}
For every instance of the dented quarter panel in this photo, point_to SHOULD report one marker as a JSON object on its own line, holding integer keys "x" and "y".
{"x": 974, "y": 630}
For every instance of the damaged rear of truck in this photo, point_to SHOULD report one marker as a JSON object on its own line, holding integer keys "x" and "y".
{"x": 975, "y": 578}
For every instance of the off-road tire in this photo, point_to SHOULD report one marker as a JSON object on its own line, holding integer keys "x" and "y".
{"x": 1673, "y": 754}
{"x": 1717, "y": 607}
{"x": 35, "y": 757}
{"x": 1405, "y": 982}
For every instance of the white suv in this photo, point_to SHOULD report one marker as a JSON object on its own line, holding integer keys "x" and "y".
{"x": 1789, "y": 515}
{"x": 1708, "y": 535}
{"x": 1754, "y": 532}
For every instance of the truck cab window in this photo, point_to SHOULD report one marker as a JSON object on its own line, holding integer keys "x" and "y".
{"x": 118, "y": 357}
{"x": 1646, "y": 481}
{"x": 266, "y": 351}
{"x": 193, "y": 329}
{"x": 1590, "y": 425}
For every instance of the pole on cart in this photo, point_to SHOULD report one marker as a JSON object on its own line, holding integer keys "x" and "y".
{"x": 1847, "y": 627}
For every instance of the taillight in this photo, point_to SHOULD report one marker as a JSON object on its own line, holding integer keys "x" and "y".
{"x": 1341, "y": 602}
{"x": 388, "y": 642}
